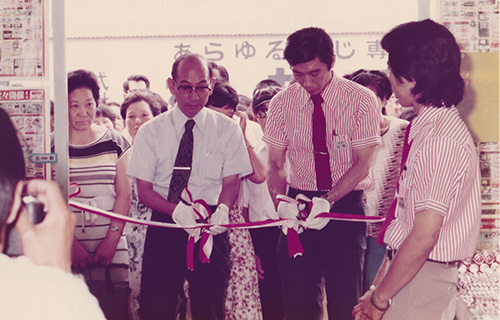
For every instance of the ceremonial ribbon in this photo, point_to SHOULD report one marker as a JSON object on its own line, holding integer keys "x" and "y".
{"x": 201, "y": 208}
{"x": 292, "y": 226}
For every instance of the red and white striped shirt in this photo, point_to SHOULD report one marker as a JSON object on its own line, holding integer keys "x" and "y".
{"x": 442, "y": 174}
{"x": 352, "y": 122}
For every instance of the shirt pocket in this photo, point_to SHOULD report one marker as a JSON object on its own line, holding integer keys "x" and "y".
{"x": 301, "y": 139}
{"x": 340, "y": 149}
{"x": 213, "y": 166}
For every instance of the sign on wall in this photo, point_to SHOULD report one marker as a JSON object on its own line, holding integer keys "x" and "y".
{"x": 27, "y": 111}
{"x": 22, "y": 46}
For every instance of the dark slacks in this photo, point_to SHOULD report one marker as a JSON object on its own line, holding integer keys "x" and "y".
{"x": 265, "y": 242}
{"x": 336, "y": 253}
{"x": 164, "y": 270}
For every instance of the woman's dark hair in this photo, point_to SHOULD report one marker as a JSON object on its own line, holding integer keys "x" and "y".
{"x": 11, "y": 164}
{"x": 105, "y": 111}
{"x": 83, "y": 79}
{"x": 223, "y": 94}
{"x": 306, "y": 44}
{"x": 373, "y": 78}
{"x": 141, "y": 95}
{"x": 427, "y": 53}
{"x": 224, "y": 75}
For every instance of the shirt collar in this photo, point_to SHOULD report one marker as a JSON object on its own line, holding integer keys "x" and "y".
{"x": 424, "y": 118}
{"x": 325, "y": 94}
{"x": 180, "y": 119}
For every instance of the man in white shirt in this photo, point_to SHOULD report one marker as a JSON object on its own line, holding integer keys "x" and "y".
{"x": 219, "y": 159}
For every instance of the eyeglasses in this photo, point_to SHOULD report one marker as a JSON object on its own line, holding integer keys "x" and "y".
{"x": 261, "y": 113}
{"x": 187, "y": 90}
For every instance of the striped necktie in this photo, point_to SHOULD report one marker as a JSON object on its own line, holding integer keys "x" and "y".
{"x": 183, "y": 162}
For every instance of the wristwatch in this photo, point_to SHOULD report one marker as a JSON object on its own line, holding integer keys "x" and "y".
{"x": 326, "y": 196}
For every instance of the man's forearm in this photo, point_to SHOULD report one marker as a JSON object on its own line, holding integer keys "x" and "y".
{"x": 411, "y": 255}
{"x": 276, "y": 182}
{"x": 359, "y": 170}
{"x": 347, "y": 183}
{"x": 152, "y": 199}
{"x": 229, "y": 192}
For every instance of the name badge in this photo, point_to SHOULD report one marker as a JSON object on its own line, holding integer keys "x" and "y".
{"x": 401, "y": 202}
{"x": 339, "y": 145}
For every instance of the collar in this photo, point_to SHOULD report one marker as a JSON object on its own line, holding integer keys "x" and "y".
{"x": 179, "y": 119}
{"x": 426, "y": 115}
{"x": 326, "y": 94}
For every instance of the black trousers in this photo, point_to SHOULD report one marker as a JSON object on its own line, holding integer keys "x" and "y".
{"x": 265, "y": 242}
{"x": 164, "y": 270}
{"x": 336, "y": 253}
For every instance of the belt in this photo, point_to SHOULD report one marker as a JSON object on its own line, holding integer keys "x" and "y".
{"x": 392, "y": 252}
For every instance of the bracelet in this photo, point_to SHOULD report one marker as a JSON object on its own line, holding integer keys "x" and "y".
{"x": 115, "y": 229}
{"x": 378, "y": 307}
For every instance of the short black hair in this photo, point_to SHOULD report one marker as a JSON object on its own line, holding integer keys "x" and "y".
{"x": 12, "y": 168}
{"x": 374, "y": 78}
{"x": 141, "y": 95}
{"x": 135, "y": 77}
{"x": 427, "y": 53}
{"x": 223, "y": 94}
{"x": 224, "y": 75}
{"x": 307, "y": 44}
{"x": 264, "y": 95}
{"x": 84, "y": 79}
{"x": 266, "y": 83}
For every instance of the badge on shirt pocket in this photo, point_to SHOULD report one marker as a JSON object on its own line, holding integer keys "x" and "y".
{"x": 339, "y": 145}
{"x": 401, "y": 202}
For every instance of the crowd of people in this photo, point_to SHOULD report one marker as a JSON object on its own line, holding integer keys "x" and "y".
{"x": 322, "y": 144}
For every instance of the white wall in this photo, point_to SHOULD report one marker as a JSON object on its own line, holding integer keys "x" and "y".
{"x": 248, "y": 59}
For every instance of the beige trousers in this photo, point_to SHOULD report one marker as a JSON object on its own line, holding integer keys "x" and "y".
{"x": 432, "y": 294}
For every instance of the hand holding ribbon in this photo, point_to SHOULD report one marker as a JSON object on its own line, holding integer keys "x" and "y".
{"x": 313, "y": 221}
{"x": 185, "y": 216}
{"x": 294, "y": 211}
{"x": 218, "y": 218}
{"x": 189, "y": 213}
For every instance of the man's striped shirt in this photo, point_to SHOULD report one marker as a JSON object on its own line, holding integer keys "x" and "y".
{"x": 442, "y": 174}
{"x": 352, "y": 122}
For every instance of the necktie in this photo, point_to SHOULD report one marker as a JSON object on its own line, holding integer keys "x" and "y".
{"x": 321, "y": 158}
{"x": 182, "y": 165}
{"x": 391, "y": 214}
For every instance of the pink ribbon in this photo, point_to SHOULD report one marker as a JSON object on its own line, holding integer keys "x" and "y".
{"x": 204, "y": 213}
{"x": 303, "y": 203}
{"x": 201, "y": 208}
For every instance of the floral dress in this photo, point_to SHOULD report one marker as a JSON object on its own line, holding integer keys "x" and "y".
{"x": 136, "y": 235}
{"x": 242, "y": 296}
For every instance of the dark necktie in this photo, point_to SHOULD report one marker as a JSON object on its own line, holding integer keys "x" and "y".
{"x": 391, "y": 214}
{"x": 321, "y": 158}
{"x": 183, "y": 162}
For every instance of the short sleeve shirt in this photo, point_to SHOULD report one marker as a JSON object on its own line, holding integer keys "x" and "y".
{"x": 441, "y": 174}
{"x": 352, "y": 122}
{"x": 219, "y": 151}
